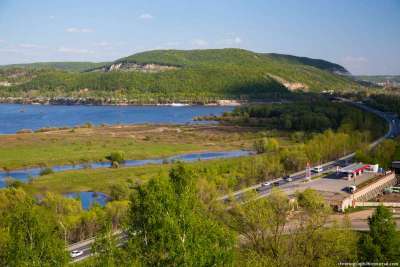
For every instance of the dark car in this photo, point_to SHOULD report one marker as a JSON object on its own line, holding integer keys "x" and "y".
{"x": 287, "y": 178}
{"x": 277, "y": 183}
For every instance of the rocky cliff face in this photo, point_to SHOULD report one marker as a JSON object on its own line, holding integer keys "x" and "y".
{"x": 125, "y": 66}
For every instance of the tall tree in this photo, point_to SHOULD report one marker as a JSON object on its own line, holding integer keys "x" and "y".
{"x": 168, "y": 227}
{"x": 34, "y": 238}
{"x": 382, "y": 243}
{"x": 105, "y": 248}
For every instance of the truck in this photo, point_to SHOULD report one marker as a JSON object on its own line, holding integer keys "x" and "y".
{"x": 351, "y": 188}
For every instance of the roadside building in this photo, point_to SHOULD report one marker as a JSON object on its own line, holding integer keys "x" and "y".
{"x": 357, "y": 169}
{"x": 396, "y": 166}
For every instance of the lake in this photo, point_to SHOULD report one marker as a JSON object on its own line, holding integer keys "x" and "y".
{"x": 88, "y": 199}
{"x": 14, "y": 117}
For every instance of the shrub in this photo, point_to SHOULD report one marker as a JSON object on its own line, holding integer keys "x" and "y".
{"x": 118, "y": 156}
{"x": 119, "y": 192}
{"x": 46, "y": 171}
{"x": 24, "y": 131}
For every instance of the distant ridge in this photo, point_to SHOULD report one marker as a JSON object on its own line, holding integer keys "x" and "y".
{"x": 318, "y": 63}
{"x": 62, "y": 65}
{"x": 177, "y": 75}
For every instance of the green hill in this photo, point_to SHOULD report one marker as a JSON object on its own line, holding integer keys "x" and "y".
{"x": 179, "y": 75}
{"x": 318, "y": 63}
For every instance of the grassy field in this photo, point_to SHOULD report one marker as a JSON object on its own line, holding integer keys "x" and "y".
{"x": 226, "y": 174}
{"x": 136, "y": 141}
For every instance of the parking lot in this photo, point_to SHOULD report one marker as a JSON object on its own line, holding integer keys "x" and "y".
{"x": 331, "y": 183}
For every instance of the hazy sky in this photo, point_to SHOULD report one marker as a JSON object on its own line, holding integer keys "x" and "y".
{"x": 362, "y": 35}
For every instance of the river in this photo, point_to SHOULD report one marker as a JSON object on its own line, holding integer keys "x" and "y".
{"x": 14, "y": 117}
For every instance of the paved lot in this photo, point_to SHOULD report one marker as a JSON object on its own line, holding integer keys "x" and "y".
{"x": 331, "y": 184}
{"x": 336, "y": 184}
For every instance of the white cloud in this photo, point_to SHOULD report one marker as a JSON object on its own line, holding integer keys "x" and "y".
{"x": 9, "y": 50}
{"x": 146, "y": 16}
{"x": 67, "y": 50}
{"x": 172, "y": 44}
{"x": 236, "y": 40}
{"x": 199, "y": 43}
{"x": 30, "y": 46}
{"x": 354, "y": 60}
{"x": 52, "y": 17}
{"x": 79, "y": 30}
{"x": 102, "y": 44}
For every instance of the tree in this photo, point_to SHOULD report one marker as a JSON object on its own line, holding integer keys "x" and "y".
{"x": 168, "y": 227}
{"x": 277, "y": 232}
{"x": 260, "y": 145}
{"x": 382, "y": 242}
{"x": 119, "y": 191}
{"x": 118, "y": 157}
{"x": 34, "y": 238}
{"x": 262, "y": 223}
{"x": 105, "y": 248}
{"x": 116, "y": 211}
{"x": 314, "y": 244}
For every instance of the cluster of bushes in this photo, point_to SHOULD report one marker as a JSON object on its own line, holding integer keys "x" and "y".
{"x": 384, "y": 154}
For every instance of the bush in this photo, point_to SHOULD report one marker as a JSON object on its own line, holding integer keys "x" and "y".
{"x": 22, "y": 131}
{"x": 13, "y": 183}
{"x": 46, "y": 171}
{"x": 118, "y": 157}
{"x": 119, "y": 191}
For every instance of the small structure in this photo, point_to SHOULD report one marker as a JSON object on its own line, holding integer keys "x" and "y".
{"x": 355, "y": 169}
{"x": 396, "y": 166}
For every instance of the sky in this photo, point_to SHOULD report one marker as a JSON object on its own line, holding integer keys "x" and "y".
{"x": 361, "y": 35}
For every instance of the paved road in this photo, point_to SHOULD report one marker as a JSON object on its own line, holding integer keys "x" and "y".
{"x": 85, "y": 246}
{"x": 298, "y": 178}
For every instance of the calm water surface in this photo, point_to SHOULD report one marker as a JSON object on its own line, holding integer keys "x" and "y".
{"x": 88, "y": 199}
{"x": 14, "y": 117}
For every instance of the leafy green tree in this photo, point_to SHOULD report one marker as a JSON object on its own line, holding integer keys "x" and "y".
{"x": 106, "y": 250}
{"x": 168, "y": 227}
{"x": 118, "y": 157}
{"x": 34, "y": 238}
{"x": 119, "y": 191}
{"x": 382, "y": 242}
{"x": 314, "y": 244}
{"x": 277, "y": 232}
{"x": 262, "y": 227}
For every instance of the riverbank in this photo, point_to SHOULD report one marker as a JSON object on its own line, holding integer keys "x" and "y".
{"x": 93, "y": 144}
{"x": 115, "y": 102}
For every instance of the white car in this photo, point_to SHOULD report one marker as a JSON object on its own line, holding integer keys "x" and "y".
{"x": 76, "y": 253}
{"x": 266, "y": 184}
{"x": 317, "y": 169}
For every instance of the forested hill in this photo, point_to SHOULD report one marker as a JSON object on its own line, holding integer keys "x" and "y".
{"x": 318, "y": 63}
{"x": 179, "y": 75}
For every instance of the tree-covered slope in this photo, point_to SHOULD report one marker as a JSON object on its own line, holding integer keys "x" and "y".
{"x": 317, "y": 63}
{"x": 195, "y": 75}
